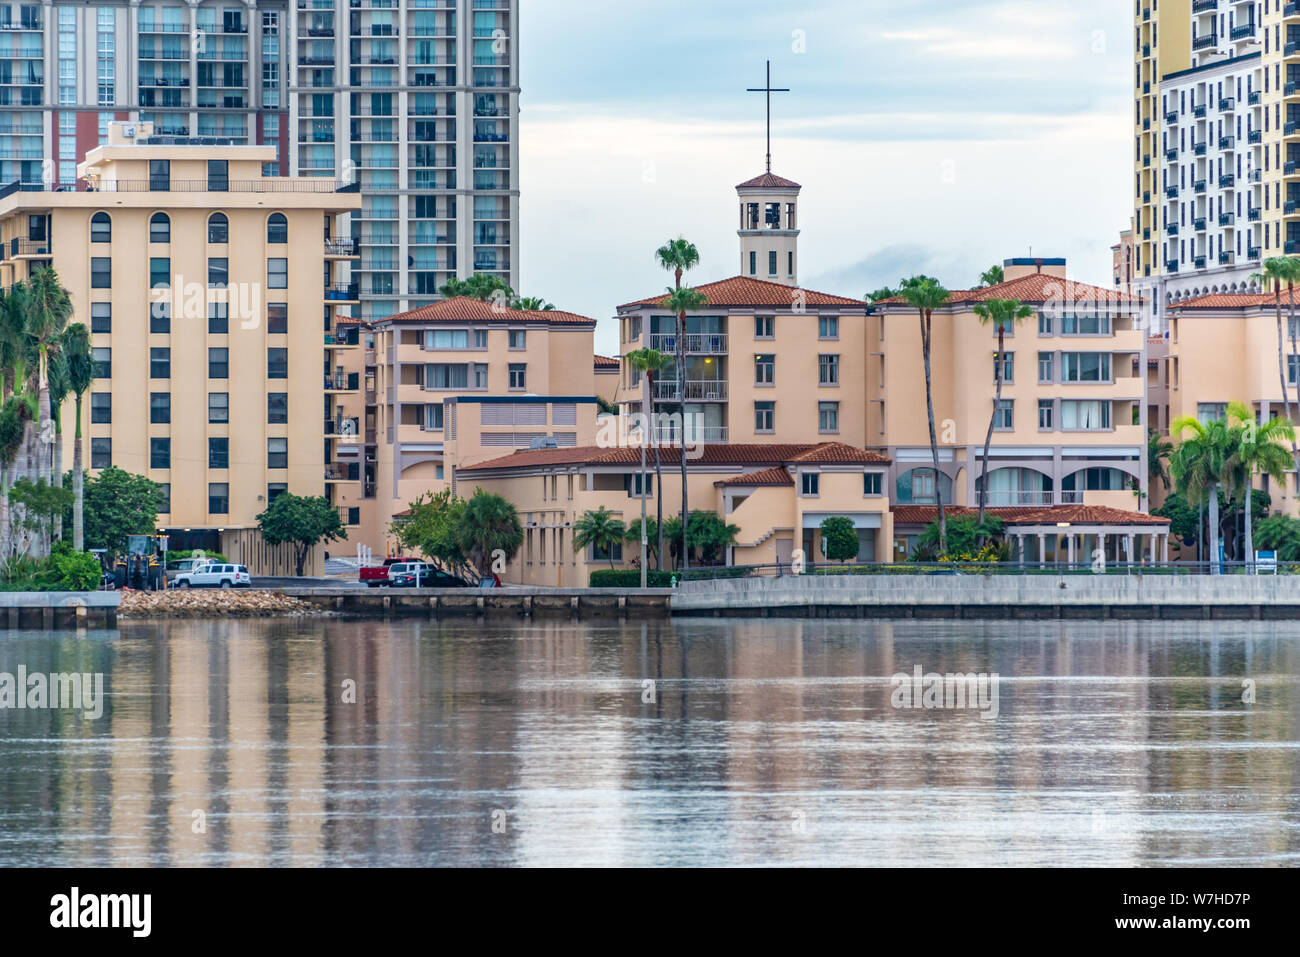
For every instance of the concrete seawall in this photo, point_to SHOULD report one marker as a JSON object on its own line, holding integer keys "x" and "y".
{"x": 995, "y": 596}
{"x": 518, "y": 602}
{"x": 58, "y": 609}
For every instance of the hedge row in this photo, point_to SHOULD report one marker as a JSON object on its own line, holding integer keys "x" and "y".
{"x": 631, "y": 577}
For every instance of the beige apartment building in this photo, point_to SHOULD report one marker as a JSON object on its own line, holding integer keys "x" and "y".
{"x": 201, "y": 282}
{"x": 777, "y": 494}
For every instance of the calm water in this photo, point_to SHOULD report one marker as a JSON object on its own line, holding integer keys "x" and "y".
{"x": 761, "y": 742}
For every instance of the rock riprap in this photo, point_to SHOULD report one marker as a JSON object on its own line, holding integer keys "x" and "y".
{"x": 215, "y": 603}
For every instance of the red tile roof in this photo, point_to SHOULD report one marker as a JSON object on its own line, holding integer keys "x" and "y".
{"x": 777, "y": 475}
{"x": 747, "y": 291}
{"x": 1035, "y": 288}
{"x": 822, "y": 453}
{"x": 464, "y": 309}
{"x": 606, "y": 363}
{"x": 1031, "y": 515}
{"x": 1227, "y": 301}
{"x": 769, "y": 181}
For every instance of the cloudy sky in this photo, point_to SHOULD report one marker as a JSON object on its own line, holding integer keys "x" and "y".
{"x": 935, "y": 137}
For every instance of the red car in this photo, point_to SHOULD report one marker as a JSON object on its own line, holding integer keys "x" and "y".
{"x": 376, "y": 576}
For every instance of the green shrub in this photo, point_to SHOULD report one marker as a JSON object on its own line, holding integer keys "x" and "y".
{"x": 631, "y": 577}
{"x": 74, "y": 571}
{"x": 199, "y": 553}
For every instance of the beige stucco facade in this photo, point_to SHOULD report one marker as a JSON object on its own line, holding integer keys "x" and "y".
{"x": 212, "y": 392}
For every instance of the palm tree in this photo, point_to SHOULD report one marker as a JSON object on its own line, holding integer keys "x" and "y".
{"x": 650, "y": 362}
{"x": 80, "y": 370}
{"x": 1200, "y": 465}
{"x": 1278, "y": 270}
{"x": 1158, "y": 451}
{"x": 884, "y": 292}
{"x": 992, "y": 276}
{"x": 532, "y": 304}
{"x": 48, "y": 309}
{"x": 677, "y": 256}
{"x": 1003, "y": 313}
{"x": 1257, "y": 451}
{"x": 680, "y": 301}
{"x": 599, "y": 529}
{"x": 926, "y": 295}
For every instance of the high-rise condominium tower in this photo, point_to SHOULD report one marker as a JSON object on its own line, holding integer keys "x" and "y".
{"x": 416, "y": 99}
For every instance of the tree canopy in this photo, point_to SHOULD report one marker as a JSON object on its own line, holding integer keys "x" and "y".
{"x": 303, "y": 521}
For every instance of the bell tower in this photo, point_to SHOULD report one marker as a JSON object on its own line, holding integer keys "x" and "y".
{"x": 769, "y": 215}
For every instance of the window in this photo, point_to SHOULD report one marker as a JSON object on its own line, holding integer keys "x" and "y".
{"x": 1004, "y": 415}
{"x": 160, "y": 363}
{"x": 218, "y": 176}
{"x": 771, "y": 263}
{"x": 160, "y": 407}
{"x": 635, "y": 488}
{"x": 101, "y": 272}
{"x": 447, "y": 339}
{"x": 764, "y": 327}
{"x": 218, "y": 406}
{"x": 480, "y": 338}
{"x": 600, "y": 554}
{"x": 101, "y": 228}
{"x": 218, "y": 318}
{"x": 518, "y": 375}
{"x": 439, "y": 375}
{"x": 1087, "y": 324}
{"x": 277, "y": 228}
{"x": 218, "y": 363}
{"x": 275, "y": 489}
{"x": 160, "y": 318}
{"x": 1085, "y": 367}
{"x": 1085, "y": 416}
{"x": 828, "y": 327}
{"x": 277, "y": 408}
{"x": 165, "y": 497}
{"x": 1207, "y": 412}
{"x": 277, "y": 363}
{"x": 828, "y": 369}
{"x": 828, "y": 416}
{"x": 790, "y": 263}
{"x": 1095, "y": 480}
{"x": 277, "y": 317}
{"x": 1045, "y": 364}
{"x": 277, "y": 273}
{"x": 873, "y": 484}
{"x": 218, "y": 228}
{"x": 277, "y": 453}
{"x": 753, "y": 264}
{"x": 160, "y": 272}
{"x": 1046, "y": 415}
{"x": 101, "y": 408}
{"x": 917, "y": 487}
{"x": 160, "y": 176}
{"x": 101, "y": 317}
{"x": 1008, "y": 366}
{"x": 101, "y": 453}
{"x": 810, "y": 483}
{"x": 103, "y": 359}
{"x": 433, "y": 417}
{"x": 1044, "y": 323}
{"x": 764, "y": 416}
{"x": 219, "y": 453}
{"x": 764, "y": 369}
{"x": 218, "y": 498}
{"x": 160, "y": 453}
{"x": 518, "y": 337}
{"x": 160, "y": 228}
{"x": 218, "y": 272}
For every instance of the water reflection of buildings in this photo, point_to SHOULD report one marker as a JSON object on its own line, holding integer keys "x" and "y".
{"x": 751, "y": 721}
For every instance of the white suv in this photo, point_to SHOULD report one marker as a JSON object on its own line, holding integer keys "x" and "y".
{"x": 215, "y": 576}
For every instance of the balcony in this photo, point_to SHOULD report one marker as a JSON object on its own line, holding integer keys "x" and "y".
{"x": 1226, "y": 258}
{"x": 1198, "y": 186}
{"x": 1227, "y": 144}
{"x": 1172, "y": 229}
{"x": 1171, "y": 192}
{"x": 1199, "y": 262}
{"x": 694, "y": 344}
{"x": 1255, "y": 137}
{"x": 697, "y": 390}
{"x": 1292, "y": 247}
{"x": 1245, "y": 31}
{"x": 1254, "y": 214}
{"x": 343, "y": 382}
{"x": 1253, "y": 98}
{"x": 29, "y": 248}
{"x": 345, "y": 427}
{"x": 1171, "y": 155}
{"x": 339, "y": 472}
{"x": 1198, "y": 111}
{"x": 1199, "y": 224}
{"x": 1200, "y": 149}
{"x": 1291, "y": 207}
{"x": 1255, "y": 176}
{"x": 1204, "y": 6}
{"x": 1171, "y": 265}
{"x": 1228, "y": 181}
{"x": 341, "y": 249}
{"x": 1252, "y": 253}
{"x": 1227, "y": 219}
{"x": 342, "y": 292}
{"x": 1228, "y": 104}
{"x": 1207, "y": 42}
{"x": 1291, "y": 127}
{"x": 1171, "y": 117}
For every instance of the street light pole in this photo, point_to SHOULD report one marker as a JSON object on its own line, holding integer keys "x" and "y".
{"x": 645, "y": 425}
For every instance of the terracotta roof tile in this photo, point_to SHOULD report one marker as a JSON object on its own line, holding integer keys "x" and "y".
{"x": 464, "y": 309}
{"x": 1035, "y": 288}
{"x": 722, "y": 454}
{"x": 747, "y": 291}
{"x": 607, "y": 363}
{"x": 1226, "y": 301}
{"x": 1031, "y": 515}
{"x": 777, "y": 475}
{"x": 769, "y": 181}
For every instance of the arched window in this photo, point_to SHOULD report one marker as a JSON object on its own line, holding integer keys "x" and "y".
{"x": 218, "y": 228}
{"x": 1093, "y": 480}
{"x": 101, "y": 228}
{"x": 160, "y": 228}
{"x": 1016, "y": 486}
{"x": 277, "y": 228}
{"x": 917, "y": 487}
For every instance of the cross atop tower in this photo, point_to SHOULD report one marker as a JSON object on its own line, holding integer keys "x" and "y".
{"x": 768, "y": 89}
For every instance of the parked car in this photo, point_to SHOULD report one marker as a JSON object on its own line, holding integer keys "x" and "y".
{"x": 179, "y": 565}
{"x": 376, "y": 576}
{"x": 407, "y": 574}
{"x": 213, "y": 575}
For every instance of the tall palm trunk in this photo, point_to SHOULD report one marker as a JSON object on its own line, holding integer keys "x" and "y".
{"x": 1295, "y": 360}
{"x": 1214, "y": 529}
{"x": 681, "y": 385}
{"x": 45, "y": 451}
{"x": 988, "y": 436}
{"x": 934, "y": 436}
{"x": 78, "y": 490}
{"x": 56, "y": 475}
{"x": 1250, "y": 532}
{"x": 659, "y": 479}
